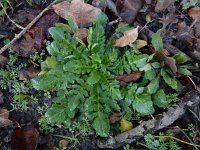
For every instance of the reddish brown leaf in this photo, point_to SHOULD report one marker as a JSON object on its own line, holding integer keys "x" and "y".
{"x": 32, "y": 41}
{"x": 29, "y": 73}
{"x": 194, "y": 12}
{"x": 115, "y": 117}
{"x": 169, "y": 61}
{"x": 83, "y": 13}
{"x": 128, "y": 9}
{"x": 81, "y": 34}
{"x": 25, "y": 138}
{"x": 25, "y": 47}
{"x": 126, "y": 78}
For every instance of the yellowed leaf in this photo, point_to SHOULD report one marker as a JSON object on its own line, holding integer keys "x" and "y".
{"x": 140, "y": 43}
{"x": 129, "y": 37}
{"x": 125, "y": 125}
{"x": 83, "y": 13}
{"x": 43, "y": 72}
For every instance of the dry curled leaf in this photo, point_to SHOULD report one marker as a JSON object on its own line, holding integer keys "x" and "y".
{"x": 126, "y": 78}
{"x": 129, "y": 37}
{"x": 194, "y": 12}
{"x": 25, "y": 138}
{"x": 128, "y": 9}
{"x": 29, "y": 73}
{"x": 83, "y": 13}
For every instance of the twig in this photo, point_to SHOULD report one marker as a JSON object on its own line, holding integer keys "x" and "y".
{"x": 174, "y": 138}
{"x": 17, "y": 25}
{"x": 18, "y": 36}
{"x": 174, "y": 112}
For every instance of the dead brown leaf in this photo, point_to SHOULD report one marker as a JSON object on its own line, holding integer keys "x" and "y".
{"x": 126, "y": 78}
{"x": 25, "y": 47}
{"x": 1, "y": 98}
{"x": 194, "y": 12}
{"x": 185, "y": 34}
{"x": 101, "y": 4}
{"x": 29, "y": 73}
{"x": 128, "y": 9}
{"x": 3, "y": 60}
{"x": 81, "y": 34}
{"x": 4, "y": 115}
{"x": 129, "y": 37}
{"x": 25, "y": 138}
{"x": 115, "y": 117}
{"x": 83, "y": 13}
{"x": 163, "y": 4}
{"x": 5, "y": 122}
{"x": 33, "y": 40}
{"x": 169, "y": 61}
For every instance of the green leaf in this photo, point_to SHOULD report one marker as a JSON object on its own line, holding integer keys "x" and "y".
{"x": 180, "y": 58}
{"x": 101, "y": 19}
{"x": 124, "y": 27}
{"x": 116, "y": 94}
{"x": 171, "y": 81}
{"x": 73, "y": 103}
{"x": 153, "y": 85}
{"x": 159, "y": 99}
{"x": 157, "y": 42}
{"x": 140, "y": 90}
{"x": 94, "y": 77}
{"x": 51, "y": 62}
{"x": 150, "y": 74}
{"x": 57, "y": 33}
{"x": 47, "y": 82}
{"x": 156, "y": 65}
{"x": 101, "y": 124}
{"x": 56, "y": 114}
{"x": 143, "y": 104}
{"x": 72, "y": 24}
{"x": 184, "y": 71}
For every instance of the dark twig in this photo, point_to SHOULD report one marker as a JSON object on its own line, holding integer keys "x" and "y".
{"x": 18, "y": 36}
{"x": 190, "y": 100}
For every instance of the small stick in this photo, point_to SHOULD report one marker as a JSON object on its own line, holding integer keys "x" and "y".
{"x": 18, "y": 36}
{"x": 17, "y": 25}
